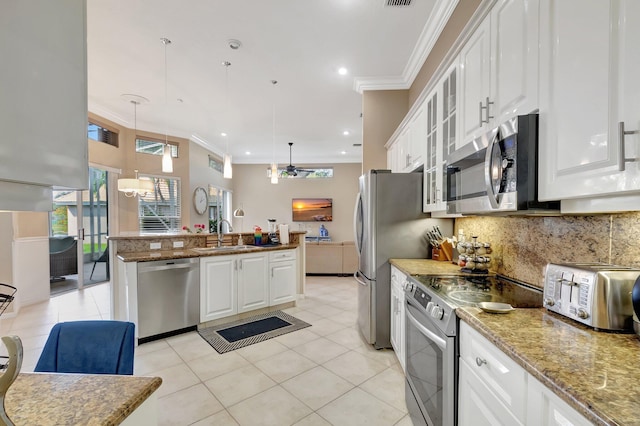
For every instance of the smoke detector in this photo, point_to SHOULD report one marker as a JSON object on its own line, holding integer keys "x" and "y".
{"x": 234, "y": 44}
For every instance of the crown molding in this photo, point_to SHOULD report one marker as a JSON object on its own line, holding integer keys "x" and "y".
{"x": 431, "y": 31}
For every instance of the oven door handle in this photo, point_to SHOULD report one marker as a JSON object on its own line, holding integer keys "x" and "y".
{"x": 428, "y": 333}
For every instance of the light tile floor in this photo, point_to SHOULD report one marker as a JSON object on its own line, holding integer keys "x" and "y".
{"x": 322, "y": 375}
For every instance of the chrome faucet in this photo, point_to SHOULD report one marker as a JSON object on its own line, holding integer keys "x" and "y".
{"x": 220, "y": 235}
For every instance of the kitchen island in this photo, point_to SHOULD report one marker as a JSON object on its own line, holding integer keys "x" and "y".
{"x": 82, "y": 399}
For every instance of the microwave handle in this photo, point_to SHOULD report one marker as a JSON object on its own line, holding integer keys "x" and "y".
{"x": 492, "y": 196}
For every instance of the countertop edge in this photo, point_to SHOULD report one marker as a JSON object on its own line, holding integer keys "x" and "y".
{"x": 149, "y": 256}
{"x": 136, "y": 402}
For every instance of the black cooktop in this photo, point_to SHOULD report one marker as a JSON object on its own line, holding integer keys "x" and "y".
{"x": 458, "y": 290}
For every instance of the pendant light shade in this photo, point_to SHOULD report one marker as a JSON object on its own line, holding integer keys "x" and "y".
{"x": 167, "y": 160}
{"x": 274, "y": 165}
{"x": 135, "y": 186}
{"x": 227, "y": 172}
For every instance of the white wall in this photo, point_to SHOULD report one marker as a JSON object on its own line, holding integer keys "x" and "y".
{"x": 262, "y": 200}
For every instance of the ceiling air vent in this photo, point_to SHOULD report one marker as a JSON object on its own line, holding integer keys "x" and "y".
{"x": 357, "y": 144}
{"x": 397, "y": 3}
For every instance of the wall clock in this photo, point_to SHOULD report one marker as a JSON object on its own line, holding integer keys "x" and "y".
{"x": 200, "y": 200}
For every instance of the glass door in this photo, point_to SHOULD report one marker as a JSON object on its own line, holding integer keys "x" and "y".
{"x": 95, "y": 228}
{"x": 78, "y": 228}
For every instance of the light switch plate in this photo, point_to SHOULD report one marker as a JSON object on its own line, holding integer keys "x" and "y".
{"x": 156, "y": 246}
{"x": 178, "y": 244}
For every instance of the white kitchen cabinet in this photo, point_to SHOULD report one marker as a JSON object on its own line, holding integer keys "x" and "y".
{"x": 397, "y": 154}
{"x": 43, "y": 106}
{"x": 282, "y": 279}
{"x": 253, "y": 285}
{"x": 589, "y": 66}
{"x": 398, "y": 332}
{"x": 441, "y": 140}
{"x": 218, "y": 287}
{"x": 547, "y": 409}
{"x": 499, "y": 68}
{"x": 417, "y": 140}
{"x": 494, "y": 390}
{"x": 478, "y": 406}
{"x": 406, "y": 151}
{"x": 506, "y": 380}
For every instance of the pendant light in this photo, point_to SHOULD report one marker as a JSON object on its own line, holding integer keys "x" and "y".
{"x": 274, "y": 165}
{"x": 167, "y": 160}
{"x": 135, "y": 186}
{"x": 227, "y": 172}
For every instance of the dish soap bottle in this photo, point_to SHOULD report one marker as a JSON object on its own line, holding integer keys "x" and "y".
{"x": 323, "y": 231}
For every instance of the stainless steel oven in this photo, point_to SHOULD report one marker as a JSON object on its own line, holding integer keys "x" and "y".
{"x": 431, "y": 369}
{"x": 431, "y": 337}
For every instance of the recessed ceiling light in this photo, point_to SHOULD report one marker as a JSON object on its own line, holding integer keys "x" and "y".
{"x": 346, "y": 133}
{"x": 223, "y": 134}
{"x": 343, "y": 71}
{"x": 248, "y": 152}
{"x": 343, "y": 152}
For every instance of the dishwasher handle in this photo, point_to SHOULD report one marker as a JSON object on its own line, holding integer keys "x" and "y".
{"x": 165, "y": 265}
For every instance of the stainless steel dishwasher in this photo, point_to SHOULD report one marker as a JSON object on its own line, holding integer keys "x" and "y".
{"x": 168, "y": 297}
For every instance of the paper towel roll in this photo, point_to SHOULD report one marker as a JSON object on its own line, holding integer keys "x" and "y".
{"x": 284, "y": 234}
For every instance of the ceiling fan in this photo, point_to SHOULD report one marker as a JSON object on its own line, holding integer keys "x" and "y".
{"x": 293, "y": 170}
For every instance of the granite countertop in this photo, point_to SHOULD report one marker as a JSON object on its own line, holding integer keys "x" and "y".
{"x": 147, "y": 256}
{"x": 76, "y": 399}
{"x": 595, "y": 372}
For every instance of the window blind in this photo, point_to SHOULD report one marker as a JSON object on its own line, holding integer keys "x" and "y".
{"x": 160, "y": 211}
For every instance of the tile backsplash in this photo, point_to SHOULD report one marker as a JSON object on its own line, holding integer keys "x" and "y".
{"x": 524, "y": 245}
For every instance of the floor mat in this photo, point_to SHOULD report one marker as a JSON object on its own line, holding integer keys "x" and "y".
{"x": 238, "y": 334}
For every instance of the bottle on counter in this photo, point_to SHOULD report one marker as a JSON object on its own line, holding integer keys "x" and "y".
{"x": 257, "y": 235}
{"x": 323, "y": 231}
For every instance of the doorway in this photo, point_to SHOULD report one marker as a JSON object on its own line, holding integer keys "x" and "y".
{"x": 79, "y": 225}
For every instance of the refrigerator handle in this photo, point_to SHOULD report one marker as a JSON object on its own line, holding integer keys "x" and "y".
{"x": 355, "y": 275}
{"x": 355, "y": 224}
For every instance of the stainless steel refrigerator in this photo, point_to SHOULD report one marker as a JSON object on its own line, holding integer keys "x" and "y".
{"x": 389, "y": 223}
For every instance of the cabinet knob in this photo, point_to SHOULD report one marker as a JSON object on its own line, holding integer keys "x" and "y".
{"x": 480, "y": 361}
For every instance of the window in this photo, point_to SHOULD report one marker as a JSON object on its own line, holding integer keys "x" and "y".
{"x": 154, "y": 147}
{"x": 215, "y": 163}
{"x": 102, "y": 134}
{"x": 159, "y": 211}
{"x": 304, "y": 173}
{"x": 219, "y": 202}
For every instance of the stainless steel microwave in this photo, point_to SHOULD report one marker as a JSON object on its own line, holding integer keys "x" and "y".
{"x": 498, "y": 172}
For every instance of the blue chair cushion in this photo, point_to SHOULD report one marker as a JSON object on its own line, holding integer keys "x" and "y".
{"x": 90, "y": 347}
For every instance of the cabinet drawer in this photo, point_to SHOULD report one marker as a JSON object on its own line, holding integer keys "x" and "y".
{"x": 280, "y": 255}
{"x": 506, "y": 379}
{"x": 477, "y": 404}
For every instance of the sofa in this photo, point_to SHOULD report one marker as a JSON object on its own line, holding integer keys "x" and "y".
{"x": 331, "y": 258}
{"x": 63, "y": 256}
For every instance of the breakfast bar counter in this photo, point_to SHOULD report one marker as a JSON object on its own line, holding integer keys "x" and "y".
{"x": 595, "y": 372}
{"x": 81, "y": 399}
